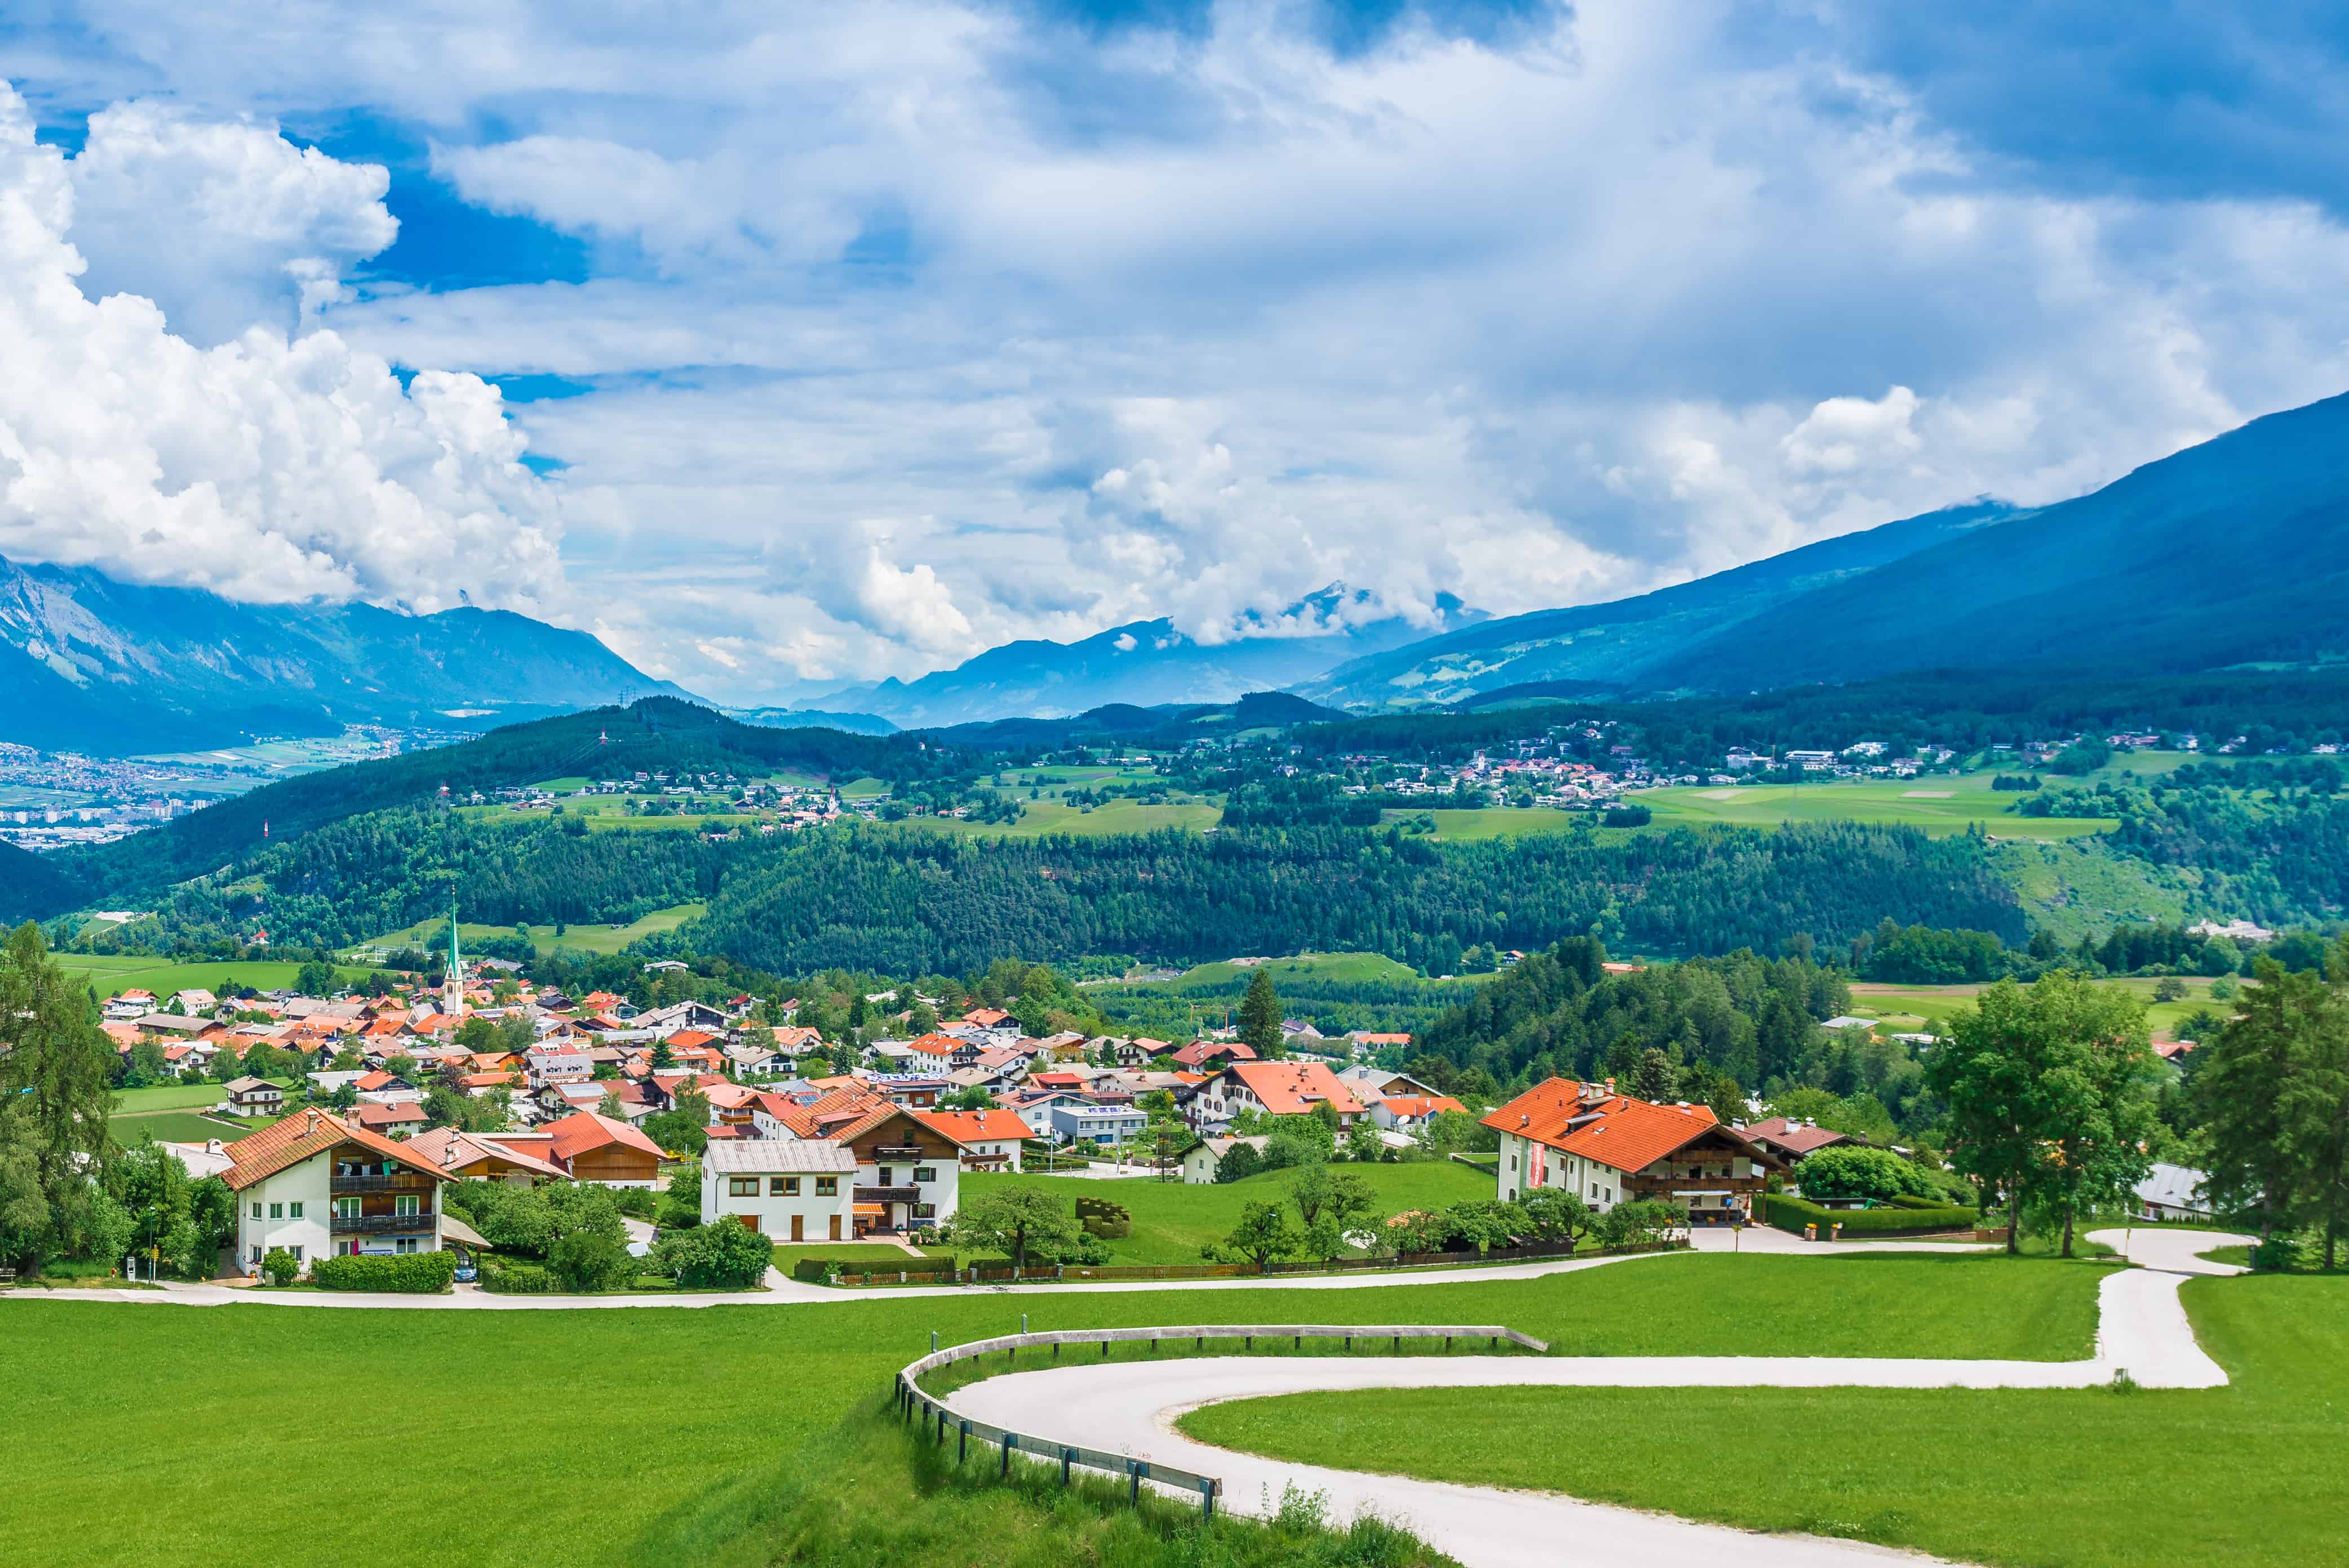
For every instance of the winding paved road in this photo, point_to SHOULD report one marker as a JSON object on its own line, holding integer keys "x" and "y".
{"x": 1132, "y": 1407}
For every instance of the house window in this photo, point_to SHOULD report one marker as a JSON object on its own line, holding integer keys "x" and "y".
{"x": 256, "y": 1211}
{"x": 741, "y": 1187}
{"x": 827, "y": 1187}
{"x": 880, "y": 1174}
{"x": 404, "y": 1244}
{"x": 784, "y": 1187}
{"x": 926, "y": 1210}
{"x": 347, "y": 1207}
{"x": 294, "y": 1211}
{"x": 256, "y": 1246}
{"x": 926, "y": 1173}
{"x": 405, "y": 1204}
{"x": 296, "y": 1252}
{"x": 277, "y": 1212}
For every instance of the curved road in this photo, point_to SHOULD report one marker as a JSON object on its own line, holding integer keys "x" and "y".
{"x": 1132, "y": 1407}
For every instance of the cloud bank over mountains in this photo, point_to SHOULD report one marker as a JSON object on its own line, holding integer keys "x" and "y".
{"x": 900, "y": 330}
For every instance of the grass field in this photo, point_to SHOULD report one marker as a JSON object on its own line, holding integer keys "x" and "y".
{"x": 1467, "y": 825}
{"x": 1908, "y": 1008}
{"x": 685, "y": 1406}
{"x": 591, "y": 939}
{"x": 878, "y": 1255}
{"x": 1940, "y": 806}
{"x": 1039, "y": 817}
{"x": 2247, "y": 1475}
{"x": 111, "y": 974}
{"x": 1171, "y": 1221}
{"x": 184, "y": 1126}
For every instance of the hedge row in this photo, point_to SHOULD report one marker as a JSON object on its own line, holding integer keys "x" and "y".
{"x": 1791, "y": 1214}
{"x": 420, "y": 1273}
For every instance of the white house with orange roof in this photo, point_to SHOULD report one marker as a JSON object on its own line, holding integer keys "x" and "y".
{"x": 317, "y": 1186}
{"x": 1608, "y": 1148}
{"x": 1274, "y": 1089}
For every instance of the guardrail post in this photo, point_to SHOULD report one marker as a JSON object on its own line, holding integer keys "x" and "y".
{"x": 1207, "y": 1501}
{"x": 1104, "y": 1347}
{"x": 1067, "y": 1457}
{"x": 962, "y": 1443}
{"x": 1133, "y": 1468}
{"x": 1010, "y": 1441}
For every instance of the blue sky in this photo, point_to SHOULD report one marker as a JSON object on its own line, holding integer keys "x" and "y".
{"x": 845, "y": 342}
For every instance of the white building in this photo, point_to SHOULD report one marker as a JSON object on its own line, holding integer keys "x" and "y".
{"x": 1104, "y": 1125}
{"x": 790, "y": 1189}
{"x": 317, "y": 1186}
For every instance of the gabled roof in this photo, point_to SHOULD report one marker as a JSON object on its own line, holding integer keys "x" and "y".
{"x": 575, "y": 1135}
{"x": 1293, "y": 1088}
{"x": 1198, "y": 1052}
{"x": 1796, "y": 1138}
{"x": 1616, "y": 1130}
{"x": 303, "y": 1136}
{"x": 779, "y": 1156}
{"x": 454, "y": 1150}
{"x": 1420, "y": 1105}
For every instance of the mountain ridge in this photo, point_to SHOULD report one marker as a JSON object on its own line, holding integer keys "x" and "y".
{"x": 91, "y": 664}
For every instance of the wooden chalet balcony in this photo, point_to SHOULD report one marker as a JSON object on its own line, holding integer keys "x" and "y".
{"x": 405, "y": 1181}
{"x": 380, "y": 1224}
{"x": 887, "y": 1194}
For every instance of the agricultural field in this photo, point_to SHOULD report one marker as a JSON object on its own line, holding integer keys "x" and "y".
{"x": 1461, "y": 825}
{"x": 1039, "y": 817}
{"x": 594, "y": 939}
{"x": 1921, "y": 1008}
{"x": 111, "y": 974}
{"x": 2061, "y": 1476}
{"x": 1939, "y": 806}
{"x": 185, "y": 1126}
{"x": 95, "y": 1393}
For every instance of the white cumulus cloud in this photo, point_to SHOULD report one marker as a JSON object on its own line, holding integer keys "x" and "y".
{"x": 266, "y": 468}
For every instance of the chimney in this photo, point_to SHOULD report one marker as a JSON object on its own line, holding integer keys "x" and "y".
{"x": 1610, "y": 1086}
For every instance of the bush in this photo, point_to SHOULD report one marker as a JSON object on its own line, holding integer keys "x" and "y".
{"x": 2278, "y": 1254}
{"x": 281, "y": 1268}
{"x": 1791, "y": 1214}
{"x": 588, "y": 1261}
{"x": 1859, "y": 1174}
{"x": 1632, "y": 814}
{"x": 723, "y": 1255}
{"x": 414, "y": 1274}
{"x": 516, "y": 1279}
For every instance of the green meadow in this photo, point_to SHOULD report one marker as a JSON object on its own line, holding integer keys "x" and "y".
{"x": 2247, "y": 1476}
{"x": 594, "y": 938}
{"x": 1939, "y": 806}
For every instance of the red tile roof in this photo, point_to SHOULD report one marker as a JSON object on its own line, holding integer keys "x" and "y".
{"x": 937, "y": 1044}
{"x": 1293, "y": 1088}
{"x": 1796, "y": 1138}
{"x": 1616, "y": 1130}
{"x": 1421, "y": 1105}
{"x": 303, "y": 1135}
{"x": 976, "y": 1127}
{"x": 575, "y": 1135}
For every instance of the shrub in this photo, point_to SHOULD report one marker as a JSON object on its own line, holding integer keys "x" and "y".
{"x": 1860, "y": 1174}
{"x": 1632, "y": 814}
{"x": 590, "y": 1260}
{"x": 1791, "y": 1214}
{"x": 722, "y": 1255}
{"x": 416, "y": 1273}
{"x": 2279, "y": 1254}
{"x": 516, "y": 1279}
{"x": 281, "y": 1268}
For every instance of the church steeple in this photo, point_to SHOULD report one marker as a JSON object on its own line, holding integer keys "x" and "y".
{"x": 452, "y": 995}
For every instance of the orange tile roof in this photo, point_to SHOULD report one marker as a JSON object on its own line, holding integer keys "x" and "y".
{"x": 1291, "y": 1088}
{"x": 937, "y": 1044}
{"x": 1616, "y": 1130}
{"x": 300, "y": 1137}
{"x": 685, "y": 1038}
{"x": 1421, "y": 1105}
{"x": 575, "y": 1135}
{"x": 973, "y": 1127}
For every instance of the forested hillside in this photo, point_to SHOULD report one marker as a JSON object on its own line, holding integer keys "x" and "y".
{"x": 912, "y": 902}
{"x": 604, "y": 742}
{"x": 1560, "y": 1013}
{"x": 908, "y": 904}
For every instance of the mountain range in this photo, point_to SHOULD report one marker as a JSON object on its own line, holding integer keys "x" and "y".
{"x": 1149, "y": 664}
{"x": 91, "y": 664}
{"x": 2232, "y": 552}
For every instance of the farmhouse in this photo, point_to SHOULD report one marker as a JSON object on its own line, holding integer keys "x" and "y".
{"x": 589, "y": 1147}
{"x": 991, "y": 1139}
{"x": 254, "y": 1097}
{"x": 1275, "y": 1088}
{"x": 1610, "y": 1149}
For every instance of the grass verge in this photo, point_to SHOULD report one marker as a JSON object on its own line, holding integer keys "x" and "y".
{"x": 2246, "y": 1475}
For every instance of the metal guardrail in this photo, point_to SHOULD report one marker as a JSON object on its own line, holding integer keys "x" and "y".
{"x": 911, "y": 1401}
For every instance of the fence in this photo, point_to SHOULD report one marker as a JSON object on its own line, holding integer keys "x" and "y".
{"x": 914, "y": 1403}
{"x": 812, "y": 1269}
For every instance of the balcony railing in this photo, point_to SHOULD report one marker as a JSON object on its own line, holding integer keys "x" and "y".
{"x": 405, "y": 1181}
{"x": 380, "y": 1224}
{"x": 887, "y": 1194}
{"x": 898, "y": 1153}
